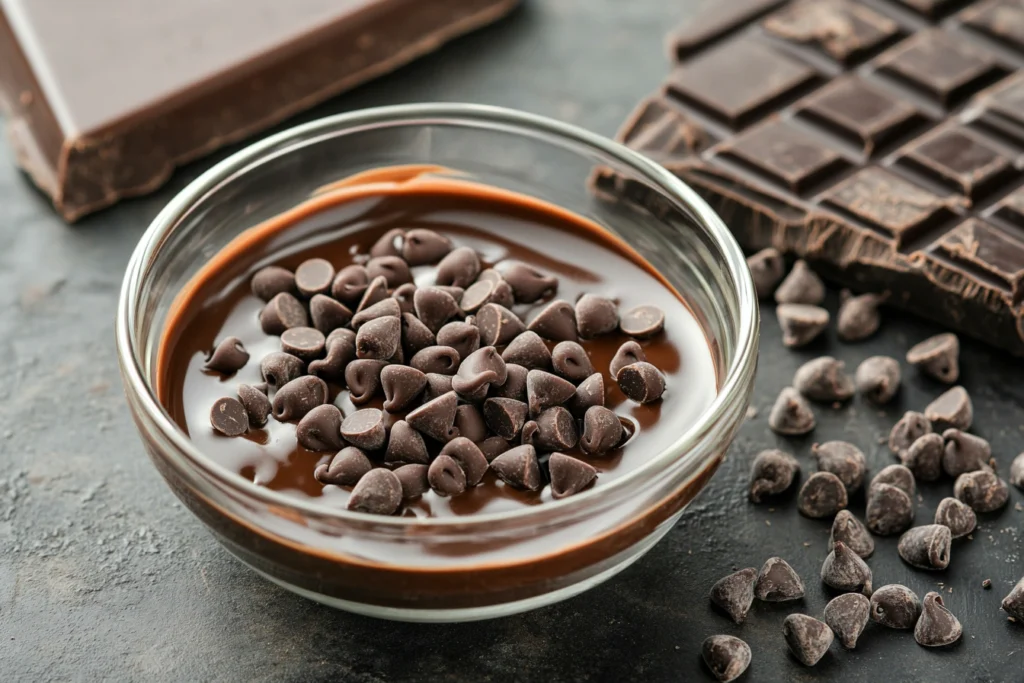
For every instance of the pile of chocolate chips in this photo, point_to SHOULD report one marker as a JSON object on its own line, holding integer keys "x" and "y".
{"x": 477, "y": 388}
{"x": 928, "y": 445}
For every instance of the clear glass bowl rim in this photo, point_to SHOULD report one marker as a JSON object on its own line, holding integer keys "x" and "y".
{"x": 465, "y": 114}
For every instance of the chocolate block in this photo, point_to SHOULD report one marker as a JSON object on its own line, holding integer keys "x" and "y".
{"x": 882, "y": 146}
{"x": 105, "y": 97}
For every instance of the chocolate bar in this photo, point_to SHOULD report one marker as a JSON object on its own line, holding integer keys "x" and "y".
{"x": 883, "y": 141}
{"x": 105, "y": 98}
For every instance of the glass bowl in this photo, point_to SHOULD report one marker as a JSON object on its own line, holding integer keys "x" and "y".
{"x": 449, "y": 569}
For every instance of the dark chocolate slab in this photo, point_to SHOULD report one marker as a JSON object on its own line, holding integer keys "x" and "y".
{"x": 1002, "y": 20}
{"x": 841, "y": 29}
{"x": 959, "y": 160}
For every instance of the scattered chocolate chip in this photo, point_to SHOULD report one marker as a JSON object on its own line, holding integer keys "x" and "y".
{"x": 641, "y": 382}
{"x": 771, "y": 473}
{"x": 392, "y": 268}
{"x": 589, "y": 393}
{"x": 734, "y": 594}
{"x": 569, "y": 475}
{"x": 514, "y": 385}
{"x": 627, "y": 354}
{"x": 490, "y": 275}
{"x": 439, "y": 360}
{"x": 878, "y": 379}
{"x": 528, "y": 350}
{"x": 388, "y": 244}
{"x": 279, "y": 368}
{"x": 924, "y": 457}
{"x": 406, "y": 445}
{"x": 964, "y": 452}
{"x": 314, "y": 276}
{"x": 570, "y": 360}
{"x": 461, "y": 336}
{"x": 595, "y": 315}
{"x": 434, "y": 307}
{"x": 850, "y": 531}
{"x": 404, "y": 295}
{"x": 481, "y": 368}
{"x": 387, "y": 308}
{"x": 505, "y": 416}
{"x": 256, "y": 403}
{"x": 896, "y": 475}
{"x": 801, "y": 286}
{"x": 413, "y": 478}
{"x": 847, "y": 615}
{"x": 910, "y": 428}
{"x": 498, "y": 325}
{"x": 458, "y": 268}
{"x": 529, "y": 433}
{"x": 228, "y": 357}
{"x": 402, "y": 385}
{"x": 341, "y": 350}
{"x": 983, "y": 491}
{"x": 518, "y": 467}
{"x": 228, "y": 417}
{"x": 926, "y": 547}
{"x": 282, "y": 312}
{"x": 363, "y": 379}
{"x": 987, "y": 584}
{"x": 327, "y": 314}
{"x": 298, "y": 397}
{"x": 791, "y": 414}
{"x": 437, "y": 385}
{"x": 767, "y": 268}
{"x": 305, "y": 343}
{"x": 801, "y": 323}
{"x": 845, "y": 571}
{"x": 642, "y": 322}
{"x": 895, "y": 606}
{"x": 365, "y": 429}
{"x": 958, "y": 517}
{"x": 726, "y": 656}
{"x": 858, "y": 317}
{"x": 544, "y": 390}
{"x": 937, "y": 627}
{"x": 346, "y": 468}
{"x": 376, "y": 292}
{"x": 415, "y": 335}
{"x": 938, "y": 357}
{"x": 528, "y": 284}
{"x": 268, "y": 282}
{"x": 808, "y": 639}
{"x": 1013, "y": 603}
{"x": 379, "y": 339}
{"x": 493, "y": 446}
{"x": 777, "y": 581}
{"x": 822, "y": 495}
{"x": 951, "y": 409}
{"x": 469, "y": 422}
{"x": 422, "y": 247}
{"x": 350, "y": 284}
{"x": 842, "y": 459}
{"x": 556, "y": 430}
{"x": 320, "y": 429}
{"x": 436, "y": 418}
{"x": 1017, "y": 472}
{"x": 469, "y": 457}
{"x": 602, "y": 431}
{"x": 823, "y": 379}
{"x": 890, "y": 510}
{"x": 379, "y": 492}
{"x": 486, "y": 291}
{"x": 555, "y": 322}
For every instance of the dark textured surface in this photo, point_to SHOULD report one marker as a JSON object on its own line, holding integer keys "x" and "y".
{"x": 103, "y": 575}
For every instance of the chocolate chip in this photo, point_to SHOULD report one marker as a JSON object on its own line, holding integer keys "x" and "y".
{"x": 228, "y": 357}
{"x": 406, "y": 445}
{"x": 734, "y": 594}
{"x": 402, "y": 385}
{"x": 801, "y": 286}
{"x": 279, "y": 368}
{"x": 379, "y": 339}
{"x": 983, "y": 491}
{"x": 772, "y": 472}
{"x": 1013, "y": 603}
{"x": 327, "y": 314}
{"x": 478, "y": 371}
{"x": 778, "y": 582}
{"x": 595, "y": 316}
{"x": 438, "y": 360}
{"x": 910, "y": 428}
{"x": 415, "y": 335}
{"x": 926, "y": 547}
{"x": 937, "y": 627}
{"x": 268, "y": 282}
{"x": 602, "y": 431}
{"x": 642, "y": 322}
{"x": 437, "y": 385}
{"x": 405, "y": 294}
{"x": 958, "y": 517}
{"x": 641, "y": 382}
{"x": 228, "y": 417}
{"x": 1017, "y": 472}
{"x": 341, "y": 350}
{"x": 822, "y": 495}
{"x": 505, "y": 416}
{"x": 498, "y": 325}
{"x": 529, "y": 433}
{"x": 896, "y": 475}
{"x": 319, "y": 429}
{"x": 791, "y": 414}
{"x": 363, "y": 379}
{"x": 390, "y": 243}
{"x": 842, "y": 459}
{"x": 556, "y": 430}
{"x": 379, "y": 492}
{"x": 413, "y": 479}
{"x": 391, "y": 268}
{"x": 365, "y": 429}
{"x": 462, "y": 337}
{"x": 767, "y": 268}
{"x": 726, "y": 656}
{"x": 845, "y": 571}
{"x": 436, "y": 418}
{"x": 878, "y": 379}
{"x": 589, "y": 393}
{"x": 469, "y": 457}
{"x": 951, "y": 409}
{"x": 627, "y": 354}
{"x": 518, "y": 467}
{"x": 514, "y": 385}
{"x": 890, "y": 510}
{"x": 385, "y": 308}
{"x": 459, "y": 268}
{"x": 305, "y": 343}
{"x": 570, "y": 360}
{"x": 423, "y": 247}
{"x": 528, "y": 283}
{"x": 544, "y": 390}
{"x": 964, "y": 452}
{"x": 569, "y": 475}
{"x": 895, "y": 606}
{"x": 938, "y": 357}
{"x": 454, "y": 292}
{"x": 847, "y": 615}
{"x": 435, "y": 307}
{"x": 257, "y": 405}
{"x": 528, "y": 350}
{"x": 346, "y": 468}
{"x": 850, "y": 531}
{"x": 801, "y": 324}
{"x": 350, "y": 284}
{"x": 924, "y": 457}
{"x": 493, "y": 446}
{"x": 555, "y": 322}
{"x": 490, "y": 275}
{"x": 446, "y": 477}
{"x": 314, "y": 276}
{"x": 823, "y": 379}
{"x": 858, "y": 316}
{"x": 469, "y": 422}
{"x": 298, "y": 397}
{"x": 485, "y": 292}
{"x": 282, "y": 312}
{"x": 808, "y": 639}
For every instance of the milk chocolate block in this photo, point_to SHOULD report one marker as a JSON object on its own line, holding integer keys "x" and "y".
{"x": 105, "y": 98}
{"x": 883, "y": 142}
